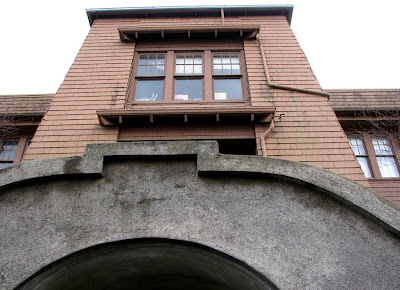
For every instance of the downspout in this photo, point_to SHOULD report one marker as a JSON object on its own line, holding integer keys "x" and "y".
{"x": 270, "y": 84}
{"x": 264, "y": 135}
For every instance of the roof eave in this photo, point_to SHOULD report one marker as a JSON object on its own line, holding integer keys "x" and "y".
{"x": 93, "y": 14}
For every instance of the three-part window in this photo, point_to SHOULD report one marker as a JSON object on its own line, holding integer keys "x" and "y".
{"x": 375, "y": 155}
{"x": 188, "y": 76}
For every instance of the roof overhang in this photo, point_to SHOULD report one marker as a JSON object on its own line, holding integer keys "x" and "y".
{"x": 192, "y": 11}
{"x": 132, "y": 33}
{"x": 258, "y": 115}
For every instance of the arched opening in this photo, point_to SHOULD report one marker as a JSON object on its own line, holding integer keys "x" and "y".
{"x": 146, "y": 264}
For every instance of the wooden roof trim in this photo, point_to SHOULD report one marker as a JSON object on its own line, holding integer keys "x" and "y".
{"x": 113, "y": 117}
{"x": 130, "y": 33}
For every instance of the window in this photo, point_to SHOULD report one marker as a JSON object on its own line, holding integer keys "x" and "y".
{"x": 227, "y": 77}
{"x": 375, "y": 156}
{"x": 7, "y": 153}
{"x": 385, "y": 157}
{"x": 188, "y": 76}
{"x": 178, "y": 74}
{"x": 12, "y": 150}
{"x": 359, "y": 151}
{"x": 150, "y": 77}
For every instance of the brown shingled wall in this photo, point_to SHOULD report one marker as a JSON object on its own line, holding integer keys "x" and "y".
{"x": 308, "y": 130}
{"x": 96, "y": 80}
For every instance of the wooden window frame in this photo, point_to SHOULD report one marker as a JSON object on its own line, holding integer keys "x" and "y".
{"x": 170, "y": 50}
{"x": 189, "y": 76}
{"x": 21, "y": 148}
{"x": 242, "y": 76}
{"x": 372, "y": 156}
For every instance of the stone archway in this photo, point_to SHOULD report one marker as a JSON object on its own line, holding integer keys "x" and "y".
{"x": 300, "y": 226}
{"x": 148, "y": 264}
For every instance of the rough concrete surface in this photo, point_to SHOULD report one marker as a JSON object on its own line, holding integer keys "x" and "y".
{"x": 299, "y": 226}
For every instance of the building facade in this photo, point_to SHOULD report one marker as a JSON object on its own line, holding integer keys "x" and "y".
{"x": 166, "y": 77}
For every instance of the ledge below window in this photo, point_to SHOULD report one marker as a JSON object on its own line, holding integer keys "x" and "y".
{"x": 257, "y": 115}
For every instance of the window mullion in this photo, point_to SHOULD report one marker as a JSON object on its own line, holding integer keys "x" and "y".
{"x": 208, "y": 79}
{"x": 372, "y": 156}
{"x": 20, "y": 150}
{"x": 169, "y": 76}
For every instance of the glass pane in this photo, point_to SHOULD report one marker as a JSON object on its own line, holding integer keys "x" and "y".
{"x": 357, "y": 145}
{"x": 152, "y": 59}
{"x": 217, "y": 69}
{"x": 188, "y": 89}
{"x": 159, "y": 70}
{"x": 227, "y": 89}
{"x": 226, "y": 69}
{"x": 151, "y": 65}
{"x": 387, "y": 167}
{"x": 226, "y": 59}
{"x": 198, "y": 59}
{"x": 180, "y": 69}
{"x": 382, "y": 146}
{"x": 235, "y": 69}
{"x": 149, "y": 90}
{"x": 151, "y": 71}
{"x": 189, "y": 59}
{"x": 198, "y": 69}
{"x": 160, "y": 59}
{"x": 141, "y": 70}
{"x": 180, "y": 59}
{"x": 143, "y": 59}
{"x": 364, "y": 166}
{"x": 235, "y": 58}
{"x": 189, "y": 69}
{"x": 217, "y": 59}
{"x": 7, "y": 150}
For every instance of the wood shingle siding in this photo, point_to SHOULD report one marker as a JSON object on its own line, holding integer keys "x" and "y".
{"x": 307, "y": 129}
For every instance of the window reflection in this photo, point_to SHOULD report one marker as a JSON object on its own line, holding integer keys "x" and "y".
{"x": 149, "y": 90}
{"x": 227, "y": 89}
{"x": 188, "y": 89}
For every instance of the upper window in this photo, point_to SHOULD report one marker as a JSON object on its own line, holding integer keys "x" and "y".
{"x": 359, "y": 151}
{"x": 197, "y": 75}
{"x": 188, "y": 76}
{"x": 150, "y": 77}
{"x": 375, "y": 156}
{"x": 7, "y": 153}
{"x": 385, "y": 157}
{"x": 227, "y": 76}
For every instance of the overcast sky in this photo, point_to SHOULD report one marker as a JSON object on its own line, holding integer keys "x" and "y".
{"x": 349, "y": 44}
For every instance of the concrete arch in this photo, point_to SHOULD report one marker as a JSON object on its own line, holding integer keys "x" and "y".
{"x": 148, "y": 264}
{"x": 301, "y": 226}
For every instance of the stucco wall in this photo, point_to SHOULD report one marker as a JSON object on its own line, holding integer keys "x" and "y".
{"x": 300, "y": 226}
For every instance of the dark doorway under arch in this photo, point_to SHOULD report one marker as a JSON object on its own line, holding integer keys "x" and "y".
{"x": 146, "y": 264}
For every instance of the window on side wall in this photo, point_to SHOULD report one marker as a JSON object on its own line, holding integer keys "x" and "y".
{"x": 12, "y": 151}
{"x": 182, "y": 74}
{"x": 7, "y": 153}
{"x": 375, "y": 155}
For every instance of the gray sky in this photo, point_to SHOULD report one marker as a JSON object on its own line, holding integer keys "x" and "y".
{"x": 350, "y": 44}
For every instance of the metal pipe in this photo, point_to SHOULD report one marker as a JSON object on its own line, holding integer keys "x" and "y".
{"x": 264, "y": 135}
{"x": 268, "y": 78}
